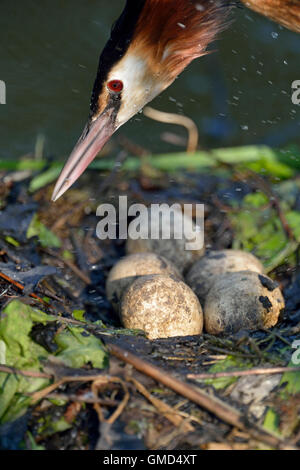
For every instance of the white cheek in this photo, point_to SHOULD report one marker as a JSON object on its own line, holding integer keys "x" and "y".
{"x": 128, "y": 69}
{"x": 140, "y": 86}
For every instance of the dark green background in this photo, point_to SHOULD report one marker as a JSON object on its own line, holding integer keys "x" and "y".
{"x": 49, "y": 52}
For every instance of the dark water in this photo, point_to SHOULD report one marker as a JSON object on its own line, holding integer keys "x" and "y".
{"x": 48, "y": 57}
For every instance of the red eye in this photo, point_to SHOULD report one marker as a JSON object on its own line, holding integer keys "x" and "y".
{"x": 115, "y": 86}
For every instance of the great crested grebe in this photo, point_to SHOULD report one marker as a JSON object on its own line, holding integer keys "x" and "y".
{"x": 150, "y": 45}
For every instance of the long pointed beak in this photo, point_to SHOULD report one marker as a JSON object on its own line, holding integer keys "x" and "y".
{"x": 92, "y": 140}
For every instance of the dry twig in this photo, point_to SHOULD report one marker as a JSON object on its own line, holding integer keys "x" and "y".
{"x": 102, "y": 382}
{"x": 240, "y": 373}
{"x": 20, "y": 286}
{"x": 24, "y": 373}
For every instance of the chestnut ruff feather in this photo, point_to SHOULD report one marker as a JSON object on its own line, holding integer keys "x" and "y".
{"x": 172, "y": 33}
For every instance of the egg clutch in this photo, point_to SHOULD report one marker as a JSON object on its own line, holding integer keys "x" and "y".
{"x": 166, "y": 290}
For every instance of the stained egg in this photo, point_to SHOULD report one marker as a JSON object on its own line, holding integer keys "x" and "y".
{"x": 242, "y": 300}
{"x": 129, "y": 268}
{"x": 203, "y": 272}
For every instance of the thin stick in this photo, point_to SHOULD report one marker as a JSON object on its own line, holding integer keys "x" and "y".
{"x": 82, "y": 399}
{"x": 70, "y": 265}
{"x": 99, "y": 383}
{"x": 174, "y": 416}
{"x": 36, "y": 396}
{"x": 21, "y": 287}
{"x": 209, "y": 402}
{"x": 184, "y": 121}
{"x": 241, "y": 373}
{"x": 25, "y": 373}
{"x": 66, "y": 379}
{"x": 77, "y": 271}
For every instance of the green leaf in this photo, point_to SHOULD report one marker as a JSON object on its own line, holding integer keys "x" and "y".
{"x": 50, "y": 425}
{"x": 292, "y": 381}
{"x": 45, "y": 236}
{"x": 21, "y": 352}
{"x": 17, "y": 349}
{"x": 77, "y": 347}
{"x": 228, "y": 364}
{"x": 271, "y": 422}
{"x": 255, "y": 200}
{"x": 12, "y": 241}
{"x": 68, "y": 255}
{"x": 44, "y": 178}
{"x": 33, "y": 444}
{"x": 263, "y": 159}
{"x": 293, "y": 219}
{"x": 258, "y": 228}
{"x": 22, "y": 164}
{"x": 79, "y": 315}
